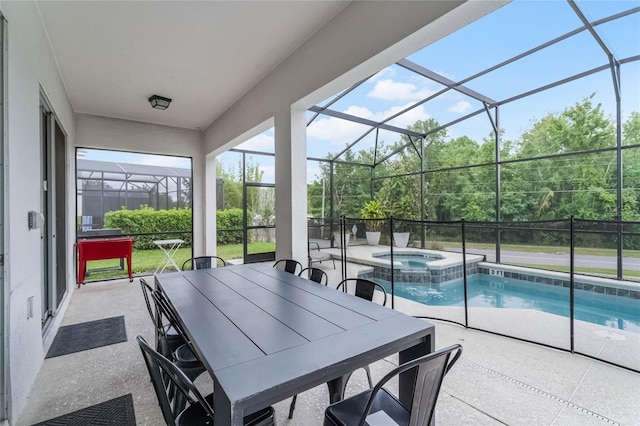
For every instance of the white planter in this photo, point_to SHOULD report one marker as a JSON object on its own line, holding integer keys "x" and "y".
{"x": 338, "y": 239}
{"x": 401, "y": 239}
{"x": 373, "y": 238}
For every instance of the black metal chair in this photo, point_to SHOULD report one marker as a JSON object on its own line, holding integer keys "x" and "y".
{"x": 315, "y": 274}
{"x": 316, "y": 255}
{"x": 203, "y": 262}
{"x": 184, "y": 356}
{"x": 180, "y": 401}
{"x": 288, "y": 265}
{"x": 431, "y": 371}
{"x": 172, "y": 339}
{"x": 365, "y": 288}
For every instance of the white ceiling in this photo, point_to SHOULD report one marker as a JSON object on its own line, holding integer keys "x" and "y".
{"x": 204, "y": 55}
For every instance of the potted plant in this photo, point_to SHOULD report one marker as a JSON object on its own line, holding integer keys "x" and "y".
{"x": 375, "y": 212}
{"x": 403, "y": 209}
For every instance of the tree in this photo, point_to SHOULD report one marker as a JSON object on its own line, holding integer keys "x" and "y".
{"x": 582, "y": 185}
{"x": 631, "y": 168}
{"x": 231, "y": 184}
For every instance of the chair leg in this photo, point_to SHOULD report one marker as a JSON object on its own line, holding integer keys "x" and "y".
{"x": 292, "y": 407}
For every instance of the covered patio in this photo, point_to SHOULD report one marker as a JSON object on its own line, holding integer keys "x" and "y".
{"x": 83, "y": 75}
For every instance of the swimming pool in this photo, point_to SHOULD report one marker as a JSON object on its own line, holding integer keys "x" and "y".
{"x": 410, "y": 260}
{"x": 617, "y": 312}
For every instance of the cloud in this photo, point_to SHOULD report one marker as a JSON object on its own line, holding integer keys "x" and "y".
{"x": 386, "y": 72}
{"x": 268, "y": 173}
{"x": 460, "y": 107}
{"x": 391, "y": 90}
{"x": 409, "y": 117}
{"x": 340, "y": 132}
{"x": 262, "y": 143}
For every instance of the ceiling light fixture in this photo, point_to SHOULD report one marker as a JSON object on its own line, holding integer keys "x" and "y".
{"x": 158, "y": 102}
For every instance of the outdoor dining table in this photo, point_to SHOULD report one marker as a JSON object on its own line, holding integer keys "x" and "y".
{"x": 265, "y": 335}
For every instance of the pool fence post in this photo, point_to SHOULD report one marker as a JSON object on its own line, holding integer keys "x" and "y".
{"x": 343, "y": 248}
{"x": 464, "y": 273}
{"x": 393, "y": 280}
{"x": 571, "y": 281}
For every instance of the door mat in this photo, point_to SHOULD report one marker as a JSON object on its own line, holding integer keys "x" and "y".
{"x": 88, "y": 335}
{"x": 115, "y": 412}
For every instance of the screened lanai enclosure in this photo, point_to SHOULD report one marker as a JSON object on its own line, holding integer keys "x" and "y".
{"x": 515, "y": 124}
{"x": 105, "y": 186}
{"x": 500, "y": 166}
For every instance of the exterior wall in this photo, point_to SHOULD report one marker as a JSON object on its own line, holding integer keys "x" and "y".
{"x": 132, "y": 136}
{"x": 362, "y": 39}
{"x": 30, "y": 69}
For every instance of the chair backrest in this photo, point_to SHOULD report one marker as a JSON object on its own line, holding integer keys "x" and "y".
{"x": 431, "y": 371}
{"x": 288, "y": 265}
{"x": 146, "y": 291}
{"x": 173, "y": 388}
{"x": 163, "y": 310}
{"x": 315, "y": 274}
{"x": 364, "y": 288}
{"x": 203, "y": 262}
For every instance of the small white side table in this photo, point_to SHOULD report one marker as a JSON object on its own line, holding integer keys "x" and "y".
{"x": 169, "y": 248}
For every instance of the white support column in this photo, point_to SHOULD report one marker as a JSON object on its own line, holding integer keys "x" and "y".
{"x": 210, "y": 196}
{"x": 291, "y": 185}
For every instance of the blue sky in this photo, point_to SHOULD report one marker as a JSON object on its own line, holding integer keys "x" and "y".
{"x": 509, "y": 31}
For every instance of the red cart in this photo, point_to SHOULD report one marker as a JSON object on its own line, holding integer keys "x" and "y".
{"x": 100, "y": 249}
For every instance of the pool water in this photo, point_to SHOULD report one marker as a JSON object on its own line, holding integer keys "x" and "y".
{"x": 410, "y": 260}
{"x": 622, "y": 313}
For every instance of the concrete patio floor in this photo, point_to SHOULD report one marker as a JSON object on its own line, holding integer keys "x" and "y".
{"x": 497, "y": 381}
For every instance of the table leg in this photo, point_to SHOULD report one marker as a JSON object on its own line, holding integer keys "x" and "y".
{"x": 337, "y": 388}
{"x": 222, "y": 412}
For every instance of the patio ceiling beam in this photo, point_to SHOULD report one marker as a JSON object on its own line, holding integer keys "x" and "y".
{"x": 363, "y": 121}
{"x": 457, "y": 86}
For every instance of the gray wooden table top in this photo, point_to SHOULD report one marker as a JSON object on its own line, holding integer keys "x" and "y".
{"x": 265, "y": 335}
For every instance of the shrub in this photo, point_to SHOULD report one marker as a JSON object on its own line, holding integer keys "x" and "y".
{"x": 158, "y": 224}
{"x": 229, "y": 219}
